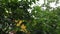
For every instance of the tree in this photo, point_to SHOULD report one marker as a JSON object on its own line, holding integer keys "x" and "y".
{"x": 12, "y": 11}
{"x": 45, "y": 22}
{"x": 14, "y": 16}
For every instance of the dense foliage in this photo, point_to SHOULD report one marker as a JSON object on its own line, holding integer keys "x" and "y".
{"x": 14, "y": 16}
{"x": 45, "y": 22}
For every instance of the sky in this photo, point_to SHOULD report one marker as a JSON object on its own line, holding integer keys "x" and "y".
{"x": 52, "y": 4}
{"x": 40, "y": 2}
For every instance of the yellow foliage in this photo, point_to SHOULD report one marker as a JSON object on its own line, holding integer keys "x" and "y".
{"x": 23, "y": 28}
{"x": 18, "y": 24}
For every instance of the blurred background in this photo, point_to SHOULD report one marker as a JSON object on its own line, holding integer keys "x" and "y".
{"x": 29, "y": 16}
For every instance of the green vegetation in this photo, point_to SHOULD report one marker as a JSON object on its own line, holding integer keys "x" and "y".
{"x": 14, "y": 16}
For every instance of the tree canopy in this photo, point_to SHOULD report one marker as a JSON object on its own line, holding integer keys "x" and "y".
{"x": 14, "y": 16}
